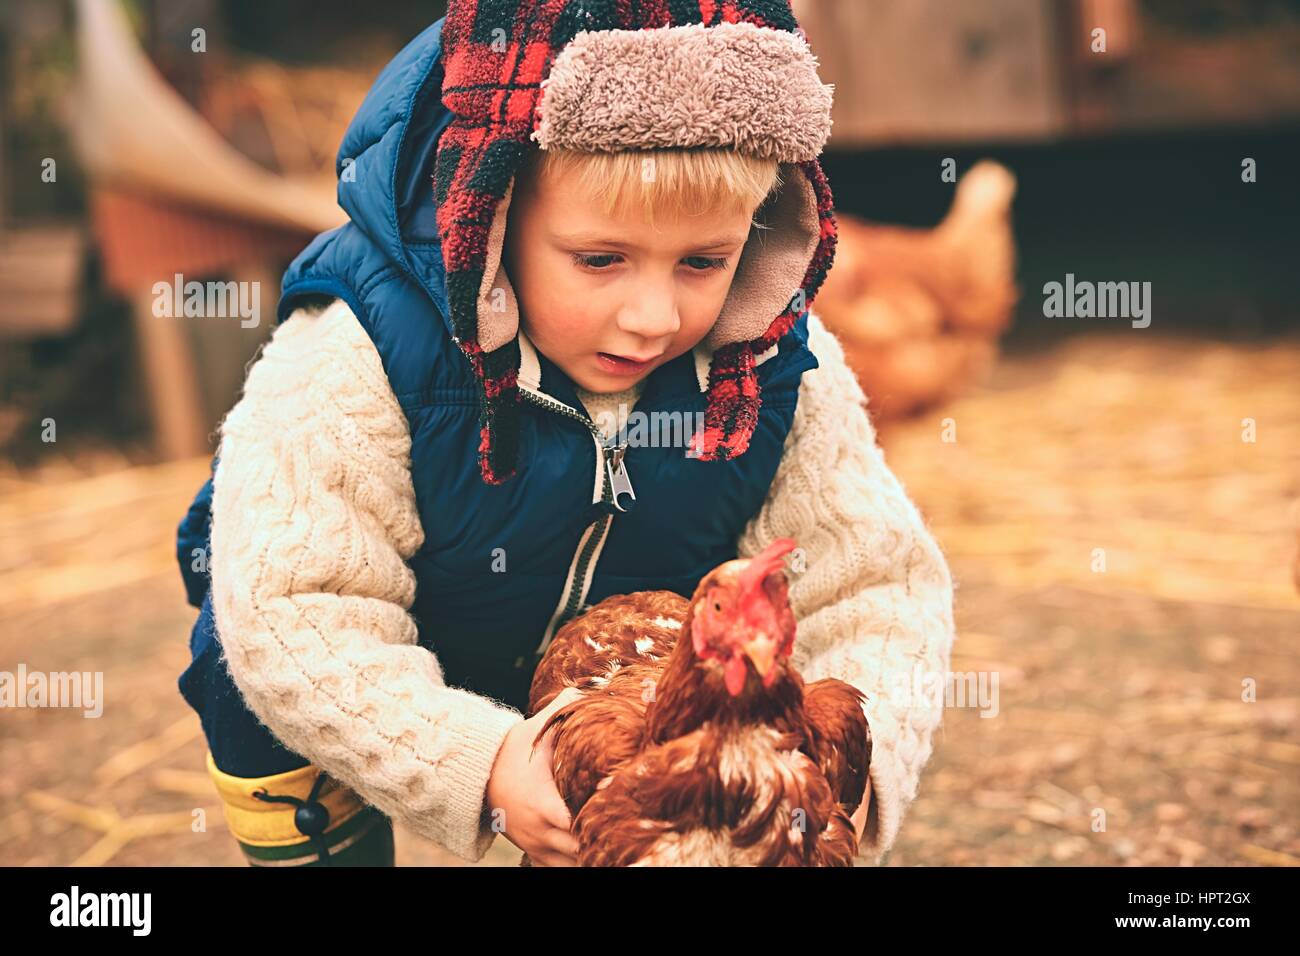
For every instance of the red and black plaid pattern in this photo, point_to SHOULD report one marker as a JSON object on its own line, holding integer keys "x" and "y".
{"x": 495, "y": 54}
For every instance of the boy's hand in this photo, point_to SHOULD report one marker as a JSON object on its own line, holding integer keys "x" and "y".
{"x": 536, "y": 819}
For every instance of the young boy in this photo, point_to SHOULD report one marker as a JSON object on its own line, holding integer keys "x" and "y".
{"x": 563, "y": 213}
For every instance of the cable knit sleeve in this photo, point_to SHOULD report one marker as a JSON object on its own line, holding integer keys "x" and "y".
{"x": 314, "y": 518}
{"x": 874, "y": 596}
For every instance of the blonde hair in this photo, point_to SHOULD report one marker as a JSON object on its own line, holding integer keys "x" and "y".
{"x": 668, "y": 182}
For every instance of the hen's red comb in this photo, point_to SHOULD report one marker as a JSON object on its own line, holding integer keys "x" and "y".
{"x": 765, "y": 562}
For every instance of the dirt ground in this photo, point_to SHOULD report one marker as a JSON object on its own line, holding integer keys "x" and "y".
{"x": 1123, "y": 560}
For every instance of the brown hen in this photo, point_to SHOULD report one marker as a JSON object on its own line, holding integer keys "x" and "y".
{"x": 919, "y": 311}
{"x": 695, "y": 741}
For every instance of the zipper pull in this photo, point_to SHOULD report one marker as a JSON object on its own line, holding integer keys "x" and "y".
{"x": 619, "y": 483}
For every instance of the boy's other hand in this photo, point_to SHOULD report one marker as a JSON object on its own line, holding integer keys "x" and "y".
{"x": 536, "y": 819}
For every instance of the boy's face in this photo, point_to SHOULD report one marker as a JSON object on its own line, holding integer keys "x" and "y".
{"x": 593, "y": 288}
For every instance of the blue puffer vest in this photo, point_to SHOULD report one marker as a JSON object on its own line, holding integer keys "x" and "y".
{"x": 502, "y": 565}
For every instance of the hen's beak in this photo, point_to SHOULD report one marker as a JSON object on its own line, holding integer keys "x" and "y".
{"x": 762, "y": 651}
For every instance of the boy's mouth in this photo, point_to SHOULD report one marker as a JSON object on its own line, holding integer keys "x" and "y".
{"x": 619, "y": 365}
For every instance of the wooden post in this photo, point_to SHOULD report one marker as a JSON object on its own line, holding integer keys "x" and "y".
{"x": 180, "y": 429}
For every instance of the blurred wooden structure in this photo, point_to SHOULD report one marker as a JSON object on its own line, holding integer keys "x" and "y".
{"x": 40, "y": 274}
{"x": 40, "y": 267}
{"x": 192, "y": 366}
{"x": 933, "y": 71}
{"x": 169, "y": 196}
{"x": 928, "y": 70}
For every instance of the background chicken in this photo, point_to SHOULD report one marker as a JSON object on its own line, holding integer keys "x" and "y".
{"x": 695, "y": 741}
{"x": 919, "y": 311}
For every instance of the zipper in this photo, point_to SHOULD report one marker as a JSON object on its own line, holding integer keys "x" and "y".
{"x": 612, "y": 478}
{"x": 609, "y": 453}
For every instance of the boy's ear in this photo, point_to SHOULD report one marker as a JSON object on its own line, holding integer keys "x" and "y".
{"x": 498, "y": 308}
{"x": 773, "y": 263}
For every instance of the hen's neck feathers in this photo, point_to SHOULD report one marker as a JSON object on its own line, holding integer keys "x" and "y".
{"x": 691, "y": 692}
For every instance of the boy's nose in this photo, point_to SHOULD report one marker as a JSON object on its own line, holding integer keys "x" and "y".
{"x": 651, "y": 318}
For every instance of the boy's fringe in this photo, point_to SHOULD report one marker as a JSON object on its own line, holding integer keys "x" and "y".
{"x": 665, "y": 182}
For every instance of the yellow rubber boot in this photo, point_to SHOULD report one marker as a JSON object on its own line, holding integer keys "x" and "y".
{"x": 302, "y": 818}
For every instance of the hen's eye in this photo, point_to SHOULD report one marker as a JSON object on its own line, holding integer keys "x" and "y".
{"x": 717, "y": 607}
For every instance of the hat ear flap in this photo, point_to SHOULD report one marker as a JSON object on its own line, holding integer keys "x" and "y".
{"x": 792, "y": 259}
{"x": 731, "y": 406}
{"x": 773, "y": 263}
{"x": 499, "y": 412}
{"x": 496, "y": 304}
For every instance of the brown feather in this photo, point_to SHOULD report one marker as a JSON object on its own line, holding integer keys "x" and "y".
{"x": 841, "y": 738}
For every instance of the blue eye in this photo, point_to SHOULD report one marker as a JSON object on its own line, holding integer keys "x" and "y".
{"x": 709, "y": 263}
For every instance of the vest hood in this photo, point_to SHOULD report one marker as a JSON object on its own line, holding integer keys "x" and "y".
{"x": 427, "y": 167}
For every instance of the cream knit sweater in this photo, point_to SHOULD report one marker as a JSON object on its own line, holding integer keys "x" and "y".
{"x": 314, "y": 518}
